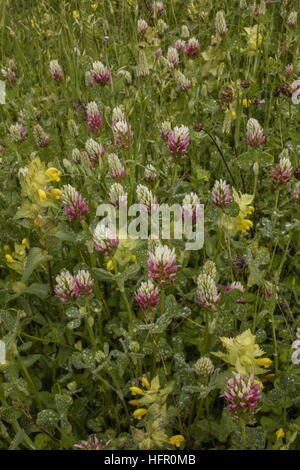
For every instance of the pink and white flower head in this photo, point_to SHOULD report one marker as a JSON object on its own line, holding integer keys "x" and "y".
{"x": 292, "y": 18}
{"x": 18, "y": 132}
{"x": 100, "y": 74}
{"x": 65, "y": 288}
{"x": 288, "y": 70}
{"x": 10, "y": 73}
{"x": 104, "y": 239}
{"x": 296, "y": 192}
{"x": 157, "y": 8}
{"x": 123, "y": 133}
{"x": 172, "y": 57}
{"x": 147, "y": 295}
{"x": 161, "y": 26}
{"x": 179, "y": 45}
{"x": 56, "y": 71}
{"x": 74, "y": 204}
{"x": 192, "y": 47}
{"x": 143, "y": 69}
{"x": 221, "y": 194}
{"x": 116, "y": 169}
{"x": 254, "y": 133}
{"x": 220, "y": 23}
{"x": 91, "y": 444}
{"x": 94, "y": 118}
{"x": 117, "y": 195}
{"x": 191, "y": 209}
{"x": 165, "y": 129}
{"x": 183, "y": 82}
{"x": 118, "y": 114}
{"x": 242, "y": 396}
{"x": 282, "y": 173}
{"x": 296, "y": 349}
{"x": 207, "y": 294}
{"x": 162, "y": 264}
{"x": 236, "y": 285}
{"x": 83, "y": 283}
{"x": 179, "y": 140}
{"x": 142, "y": 26}
{"x": 40, "y": 136}
{"x": 150, "y": 173}
{"x": 94, "y": 150}
{"x": 146, "y": 199}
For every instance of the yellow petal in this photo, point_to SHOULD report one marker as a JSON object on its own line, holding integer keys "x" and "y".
{"x": 177, "y": 440}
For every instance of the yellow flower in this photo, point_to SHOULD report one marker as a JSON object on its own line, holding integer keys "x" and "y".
{"x": 264, "y": 361}
{"x": 75, "y": 14}
{"x": 133, "y": 259}
{"x": 25, "y": 242}
{"x": 55, "y": 192}
{"x": 134, "y": 403}
{"x": 9, "y": 258}
{"x": 53, "y": 174}
{"x": 233, "y": 115}
{"x": 243, "y": 225}
{"x": 6, "y": 248}
{"x": 110, "y": 265}
{"x": 246, "y": 102}
{"x": 145, "y": 382}
{"x": 94, "y": 6}
{"x": 139, "y": 413}
{"x": 42, "y": 195}
{"x": 136, "y": 391}
{"x": 176, "y": 440}
{"x": 280, "y": 433}
{"x": 242, "y": 353}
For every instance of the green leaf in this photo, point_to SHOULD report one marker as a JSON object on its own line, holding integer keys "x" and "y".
{"x": 35, "y": 257}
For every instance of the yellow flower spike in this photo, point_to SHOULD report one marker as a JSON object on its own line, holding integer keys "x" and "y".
{"x": 9, "y": 258}
{"x": 53, "y": 174}
{"x": 133, "y": 259}
{"x": 264, "y": 361}
{"x": 136, "y": 391}
{"x": 145, "y": 382}
{"x": 55, "y": 192}
{"x": 110, "y": 265}
{"x": 176, "y": 440}
{"x": 280, "y": 433}
{"x": 139, "y": 413}
{"x": 76, "y": 14}
{"x": 42, "y": 195}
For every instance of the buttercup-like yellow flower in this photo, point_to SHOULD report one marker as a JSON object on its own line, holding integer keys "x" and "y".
{"x": 280, "y": 433}
{"x": 94, "y": 6}
{"x": 53, "y": 174}
{"x": 76, "y": 14}
{"x": 136, "y": 391}
{"x": 176, "y": 440}
{"x": 9, "y": 258}
{"x": 139, "y": 413}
